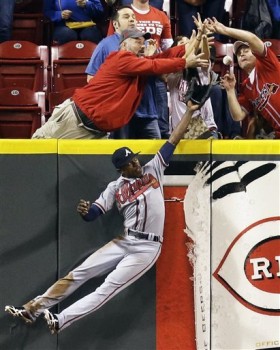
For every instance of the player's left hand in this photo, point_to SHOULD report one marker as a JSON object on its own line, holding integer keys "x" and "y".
{"x": 83, "y": 207}
{"x": 192, "y": 107}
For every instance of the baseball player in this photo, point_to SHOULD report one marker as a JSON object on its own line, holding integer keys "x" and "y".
{"x": 138, "y": 194}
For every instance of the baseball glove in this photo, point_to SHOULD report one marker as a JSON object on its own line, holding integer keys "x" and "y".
{"x": 198, "y": 93}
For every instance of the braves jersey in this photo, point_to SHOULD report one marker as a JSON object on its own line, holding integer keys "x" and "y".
{"x": 261, "y": 90}
{"x": 155, "y": 22}
{"x": 140, "y": 201}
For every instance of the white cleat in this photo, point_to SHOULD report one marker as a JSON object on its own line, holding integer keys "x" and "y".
{"x": 20, "y": 312}
{"x": 52, "y": 321}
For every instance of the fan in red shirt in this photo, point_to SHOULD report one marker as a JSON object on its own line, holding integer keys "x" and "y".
{"x": 261, "y": 90}
{"x": 110, "y": 99}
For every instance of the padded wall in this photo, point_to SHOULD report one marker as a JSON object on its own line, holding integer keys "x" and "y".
{"x": 43, "y": 237}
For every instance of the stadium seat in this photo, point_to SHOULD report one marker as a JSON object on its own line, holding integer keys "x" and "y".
{"x": 28, "y": 26}
{"x": 222, "y": 50}
{"x": 21, "y": 112}
{"x": 68, "y": 64}
{"x": 28, "y": 6}
{"x": 56, "y": 98}
{"x": 25, "y": 64}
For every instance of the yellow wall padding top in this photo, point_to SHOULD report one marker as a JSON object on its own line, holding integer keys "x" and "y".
{"x": 247, "y": 147}
{"x": 188, "y": 147}
{"x": 143, "y": 146}
{"x": 14, "y": 146}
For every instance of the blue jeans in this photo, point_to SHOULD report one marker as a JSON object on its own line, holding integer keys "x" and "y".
{"x": 155, "y": 3}
{"x": 213, "y": 8}
{"x": 226, "y": 125}
{"x": 162, "y": 108}
{"x": 143, "y": 128}
{"x": 62, "y": 34}
{"x": 6, "y": 19}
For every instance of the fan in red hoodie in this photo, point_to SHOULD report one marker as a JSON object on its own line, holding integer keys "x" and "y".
{"x": 110, "y": 99}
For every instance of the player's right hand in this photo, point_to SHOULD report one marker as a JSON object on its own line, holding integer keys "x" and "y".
{"x": 83, "y": 207}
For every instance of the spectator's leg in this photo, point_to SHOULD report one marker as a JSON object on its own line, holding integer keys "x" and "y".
{"x": 185, "y": 13}
{"x": 6, "y": 19}
{"x": 214, "y": 8}
{"x": 226, "y": 125}
{"x": 63, "y": 34}
{"x": 162, "y": 108}
{"x": 120, "y": 134}
{"x": 157, "y": 3}
{"x": 144, "y": 128}
{"x": 92, "y": 34}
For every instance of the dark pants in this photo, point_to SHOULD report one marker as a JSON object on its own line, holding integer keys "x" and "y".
{"x": 162, "y": 108}
{"x": 212, "y": 8}
{"x": 6, "y": 19}
{"x": 143, "y": 128}
{"x": 226, "y": 125}
{"x": 62, "y": 34}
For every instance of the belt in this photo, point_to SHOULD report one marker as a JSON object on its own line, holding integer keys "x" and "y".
{"x": 88, "y": 123}
{"x": 146, "y": 236}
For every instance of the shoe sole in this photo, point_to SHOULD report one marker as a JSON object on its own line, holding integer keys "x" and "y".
{"x": 22, "y": 317}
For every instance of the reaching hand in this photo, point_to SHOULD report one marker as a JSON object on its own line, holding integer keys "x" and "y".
{"x": 198, "y": 22}
{"x": 228, "y": 81}
{"x": 215, "y": 26}
{"x": 83, "y": 207}
{"x": 150, "y": 48}
{"x": 193, "y": 61}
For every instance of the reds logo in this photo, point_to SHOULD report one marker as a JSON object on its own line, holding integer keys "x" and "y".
{"x": 250, "y": 269}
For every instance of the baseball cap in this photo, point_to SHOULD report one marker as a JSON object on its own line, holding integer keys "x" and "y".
{"x": 238, "y": 44}
{"x": 133, "y": 33}
{"x": 122, "y": 156}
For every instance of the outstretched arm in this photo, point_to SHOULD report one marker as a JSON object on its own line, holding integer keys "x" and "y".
{"x": 228, "y": 83}
{"x": 255, "y": 43}
{"x": 178, "y": 133}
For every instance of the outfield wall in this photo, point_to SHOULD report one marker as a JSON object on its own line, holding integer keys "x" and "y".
{"x": 42, "y": 237}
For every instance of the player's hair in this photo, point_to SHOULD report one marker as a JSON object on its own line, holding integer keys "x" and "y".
{"x": 115, "y": 15}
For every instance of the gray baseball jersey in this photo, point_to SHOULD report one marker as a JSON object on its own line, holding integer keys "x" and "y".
{"x": 140, "y": 200}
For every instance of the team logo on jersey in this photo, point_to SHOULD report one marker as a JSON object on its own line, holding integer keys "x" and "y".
{"x": 132, "y": 190}
{"x": 250, "y": 268}
{"x": 267, "y": 91}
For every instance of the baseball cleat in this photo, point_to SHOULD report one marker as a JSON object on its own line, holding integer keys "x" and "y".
{"x": 20, "y": 312}
{"x": 52, "y": 321}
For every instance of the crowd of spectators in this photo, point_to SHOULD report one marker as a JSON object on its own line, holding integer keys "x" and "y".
{"x": 161, "y": 106}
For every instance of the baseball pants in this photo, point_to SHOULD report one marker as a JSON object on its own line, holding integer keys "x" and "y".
{"x": 125, "y": 258}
